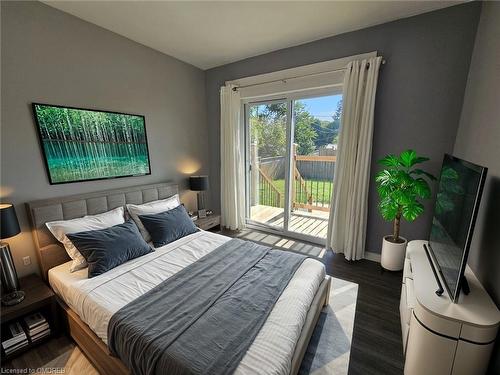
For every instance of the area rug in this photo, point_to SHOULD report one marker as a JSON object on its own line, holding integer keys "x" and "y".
{"x": 330, "y": 346}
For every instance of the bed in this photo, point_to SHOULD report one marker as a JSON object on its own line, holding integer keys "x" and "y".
{"x": 89, "y": 303}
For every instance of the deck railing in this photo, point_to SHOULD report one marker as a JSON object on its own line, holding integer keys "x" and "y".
{"x": 311, "y": 193}
{"x": 269, "y": 194}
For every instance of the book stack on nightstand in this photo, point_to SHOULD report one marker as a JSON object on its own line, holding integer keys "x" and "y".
{"x": 36, "y": 317}
{"x": 13, "y": 338}
{"x": 37, "y": 327}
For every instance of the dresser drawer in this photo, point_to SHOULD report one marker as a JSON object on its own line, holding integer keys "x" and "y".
{"x": 427, "y": 353}
{"x": 407, "y": 270}
{"x": 407, "y": 302}
{"x": 471, "y": 358}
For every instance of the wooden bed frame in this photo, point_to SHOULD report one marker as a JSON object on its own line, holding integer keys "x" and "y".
{"x": 51, "y": 254}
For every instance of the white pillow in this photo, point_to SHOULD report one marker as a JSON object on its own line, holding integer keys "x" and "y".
{"x": 82, "y": 224}
{"x": 150, "y": 208}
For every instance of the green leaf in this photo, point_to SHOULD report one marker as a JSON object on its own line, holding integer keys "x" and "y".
{"x": 407, "y": 158}
{"x": 412, "y": 211}
{"x": 405, "y": 180}
{"x": 401, "y": 197}
{"x": 382, "y": 176}
{"x": 422, "y": 188}
{"x": 383, "y": 190}
{"x": 390, "y": 161}
{"x": 420, "y": 159}
{"x": 388, "y": 209}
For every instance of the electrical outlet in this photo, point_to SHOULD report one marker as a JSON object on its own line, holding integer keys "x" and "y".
{"x": 26, "y": 261}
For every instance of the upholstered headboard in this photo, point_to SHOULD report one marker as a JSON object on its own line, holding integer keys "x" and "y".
{"x": 50, "y": 252}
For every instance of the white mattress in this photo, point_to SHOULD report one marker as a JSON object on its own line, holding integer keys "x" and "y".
{"x": 95, "y": 300}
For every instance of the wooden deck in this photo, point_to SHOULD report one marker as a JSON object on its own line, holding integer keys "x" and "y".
{"x": 313, "y": 223}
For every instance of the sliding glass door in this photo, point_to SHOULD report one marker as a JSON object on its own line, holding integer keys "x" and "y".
{"x": 267, "y": 126}
{"x": 291, "y": 146}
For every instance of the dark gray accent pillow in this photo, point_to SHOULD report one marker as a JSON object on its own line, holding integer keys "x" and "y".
{"x": 168, "y": 226}
{"x": 105, "y": 249}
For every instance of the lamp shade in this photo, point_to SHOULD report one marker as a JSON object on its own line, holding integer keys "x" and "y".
{"x": 8, "y": 221}
{"x": 198, "y": 183}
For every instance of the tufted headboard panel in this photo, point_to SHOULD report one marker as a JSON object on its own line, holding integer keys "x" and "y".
{"x": 50, "y": 252}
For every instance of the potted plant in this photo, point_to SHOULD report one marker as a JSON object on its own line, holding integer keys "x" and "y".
{"x": 400, "y": 186}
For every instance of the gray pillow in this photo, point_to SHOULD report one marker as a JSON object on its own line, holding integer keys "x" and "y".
{"x": 105, "y": 249}
{"x": 168, "y": 226}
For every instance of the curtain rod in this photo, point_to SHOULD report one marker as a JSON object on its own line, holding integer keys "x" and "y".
{"x": 305, "y": 75}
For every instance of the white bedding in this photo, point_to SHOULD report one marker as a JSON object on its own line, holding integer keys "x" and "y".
{"x": 95, "y": 300}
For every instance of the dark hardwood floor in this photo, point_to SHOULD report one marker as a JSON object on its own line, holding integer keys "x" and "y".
{"x": 376, "y": 343}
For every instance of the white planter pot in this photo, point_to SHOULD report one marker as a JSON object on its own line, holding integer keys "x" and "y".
{"x": 393, "y": 254}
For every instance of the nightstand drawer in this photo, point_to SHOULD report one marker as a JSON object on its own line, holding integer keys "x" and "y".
{"x": 209, "y": 222}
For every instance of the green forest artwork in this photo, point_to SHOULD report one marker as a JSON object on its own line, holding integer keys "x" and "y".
{"x": 88, "y": 145}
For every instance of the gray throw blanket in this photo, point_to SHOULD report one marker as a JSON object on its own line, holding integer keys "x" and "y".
{"x": 203, "y": 319}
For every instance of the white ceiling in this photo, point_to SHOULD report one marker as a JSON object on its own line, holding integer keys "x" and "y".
{"x": 212, "y": 33}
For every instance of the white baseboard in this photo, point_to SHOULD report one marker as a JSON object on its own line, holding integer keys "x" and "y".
{"x": 374, "y": 257}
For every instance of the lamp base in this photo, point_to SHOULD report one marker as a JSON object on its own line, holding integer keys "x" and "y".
{"x": 13, "y": 298}
{"x": 201, "y": 200}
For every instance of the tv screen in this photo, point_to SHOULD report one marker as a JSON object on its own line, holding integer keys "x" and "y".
{"x": 455, "y": 211}
{"x": 83, "y": 144}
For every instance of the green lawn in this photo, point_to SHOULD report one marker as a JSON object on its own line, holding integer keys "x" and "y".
{"x": 321, "y": 191}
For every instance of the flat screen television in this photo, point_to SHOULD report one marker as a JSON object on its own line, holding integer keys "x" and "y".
{"x": 81, "y": 144}
{"x": 459, "y": 194}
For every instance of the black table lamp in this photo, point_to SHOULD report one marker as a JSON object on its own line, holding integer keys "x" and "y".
{"x": 199, "y": 184}
{"x": 9, "y": 227}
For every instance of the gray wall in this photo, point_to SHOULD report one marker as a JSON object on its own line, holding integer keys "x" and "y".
{"x": 478, "y": 140}
{"x": 419, "y": 95}
{"x": 51, "y": 57}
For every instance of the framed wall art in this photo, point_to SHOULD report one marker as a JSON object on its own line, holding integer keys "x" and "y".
{"x": 85, "y": 144}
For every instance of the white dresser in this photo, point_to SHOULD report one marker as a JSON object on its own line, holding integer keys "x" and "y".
{"x": 441, "y": 337}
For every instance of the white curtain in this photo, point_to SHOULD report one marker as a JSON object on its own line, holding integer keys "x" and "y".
{"x": 348, "y": 208}
{"x": 232, "y": 163}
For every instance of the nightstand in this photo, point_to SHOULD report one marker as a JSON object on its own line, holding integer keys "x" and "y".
{"x": 209, "y": 222}
{"x": 39, "y": 298}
